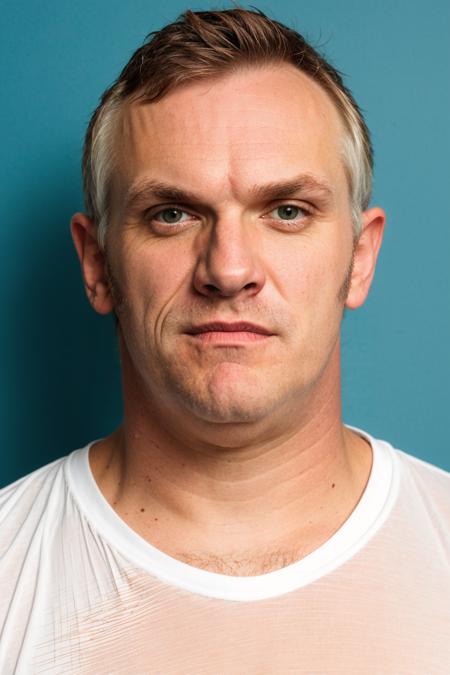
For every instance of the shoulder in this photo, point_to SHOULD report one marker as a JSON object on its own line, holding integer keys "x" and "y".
{"x": 419, "y": 470}
{"x": 35, "y": 535}
{"x": 423, "y": 498}
{"x": 428, "y": 481}
{"x": 27, "y": 503}
{"x": 425, "y": 486}
{"x": 425, "y": 472}
{"x": 36, "y": 479}
{"x": 424, "y": 508}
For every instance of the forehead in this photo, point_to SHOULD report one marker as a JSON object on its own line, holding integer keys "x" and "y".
{"x": 222, "y": 135}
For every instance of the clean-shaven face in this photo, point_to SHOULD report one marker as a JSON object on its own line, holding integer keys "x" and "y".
{"x": 230, "y": 243}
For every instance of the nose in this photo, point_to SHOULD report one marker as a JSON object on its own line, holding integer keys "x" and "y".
{"x": 228, "y": 264}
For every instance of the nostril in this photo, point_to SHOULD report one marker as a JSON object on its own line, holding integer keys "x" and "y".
{"x": 211, "y": 288}
{"x": 215, "y": 277}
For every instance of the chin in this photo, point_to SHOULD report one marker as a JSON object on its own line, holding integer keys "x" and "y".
{"x": 230, "y": 393}
{"x": 227, "y": 406}
{"x": 229, "y": 414}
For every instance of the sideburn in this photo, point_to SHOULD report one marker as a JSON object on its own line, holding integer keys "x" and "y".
{"x": 116, "y": 294}
{"x": 345, "y": 288}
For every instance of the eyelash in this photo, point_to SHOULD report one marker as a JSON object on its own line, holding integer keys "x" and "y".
{"x": 306, "y": 210}
{"x": 151, "y": 215}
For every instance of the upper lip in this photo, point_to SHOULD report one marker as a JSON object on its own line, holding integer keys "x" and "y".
{"x": 225, "y": 327}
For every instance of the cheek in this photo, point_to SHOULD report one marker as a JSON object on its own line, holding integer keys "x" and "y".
{"x": 308, "y": 273}
{"x": 151, "y": 276}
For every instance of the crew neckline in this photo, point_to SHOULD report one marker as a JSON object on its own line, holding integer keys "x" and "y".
{"x": 365, "y": 520}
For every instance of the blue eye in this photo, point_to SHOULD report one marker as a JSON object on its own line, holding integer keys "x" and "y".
{"x": 171, "y": 216}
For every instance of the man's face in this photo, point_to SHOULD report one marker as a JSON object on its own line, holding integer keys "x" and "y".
{"x": 230, "y": 206}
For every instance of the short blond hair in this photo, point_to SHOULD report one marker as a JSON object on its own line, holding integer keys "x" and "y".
{"x": 200, "y": 45}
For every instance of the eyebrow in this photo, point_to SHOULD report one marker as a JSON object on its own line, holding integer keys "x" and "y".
{"x": 139, "y": 194}
{"x": 282, "y": 189}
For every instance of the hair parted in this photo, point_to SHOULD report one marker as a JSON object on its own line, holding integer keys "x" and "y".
{"x": 207, "y": 44}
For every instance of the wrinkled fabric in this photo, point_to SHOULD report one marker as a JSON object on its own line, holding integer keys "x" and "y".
{"x": 80, "y": 592}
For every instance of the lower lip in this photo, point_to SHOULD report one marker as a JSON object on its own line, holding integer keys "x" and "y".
{"x": 229, "y": 337}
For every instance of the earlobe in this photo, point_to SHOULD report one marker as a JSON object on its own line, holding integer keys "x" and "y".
{"x": 93, "y": 263}
{"x": 365, "y": 256}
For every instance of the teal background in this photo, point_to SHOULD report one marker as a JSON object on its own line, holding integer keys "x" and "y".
{"x": 60, "y": 382}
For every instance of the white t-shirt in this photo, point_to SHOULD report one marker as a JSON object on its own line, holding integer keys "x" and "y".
{"x": 81, "y": 592}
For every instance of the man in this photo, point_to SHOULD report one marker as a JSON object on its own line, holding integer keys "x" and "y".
{"x": 232, "y": 524}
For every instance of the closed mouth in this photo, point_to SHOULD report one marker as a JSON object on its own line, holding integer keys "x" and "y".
{"x": 223, "y": 327}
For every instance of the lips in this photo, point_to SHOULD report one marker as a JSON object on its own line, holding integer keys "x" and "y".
{"x": 224, "y": 327}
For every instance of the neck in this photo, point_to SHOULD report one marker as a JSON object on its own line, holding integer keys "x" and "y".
{"x": 241, "y": 493}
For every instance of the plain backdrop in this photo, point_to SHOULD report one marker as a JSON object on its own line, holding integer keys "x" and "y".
{"x": 60, "y": 380}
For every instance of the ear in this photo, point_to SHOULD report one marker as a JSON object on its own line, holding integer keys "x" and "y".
{"x": 93, "y": 263}
{"x": 365, "y": 256}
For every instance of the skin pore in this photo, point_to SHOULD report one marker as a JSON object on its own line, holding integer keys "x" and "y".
{"x": 231, "y": 204}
